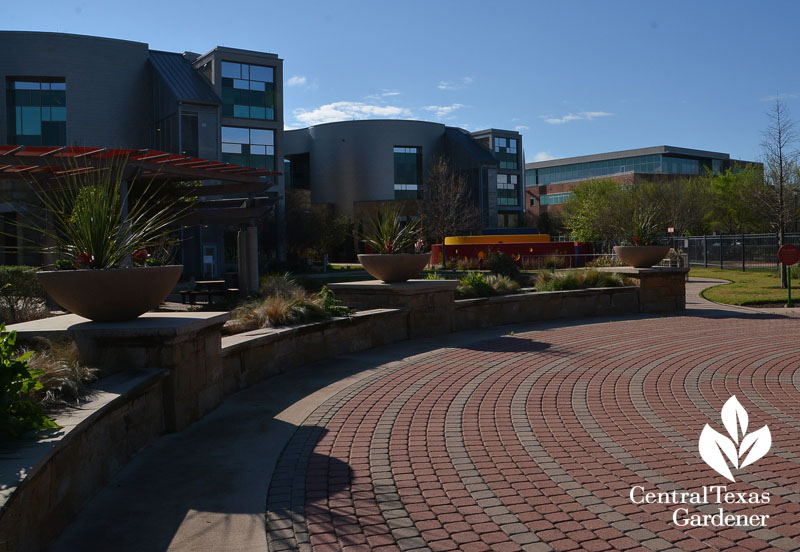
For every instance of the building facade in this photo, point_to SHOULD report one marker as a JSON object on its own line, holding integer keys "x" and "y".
{"x": 549, "y": 184}
{"x": 356, "y": 166}
{"x": 72, "y": 90}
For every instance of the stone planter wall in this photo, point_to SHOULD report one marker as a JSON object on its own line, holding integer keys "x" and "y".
{"x": 525, "y": 308}
{"x": 250, "y": 357}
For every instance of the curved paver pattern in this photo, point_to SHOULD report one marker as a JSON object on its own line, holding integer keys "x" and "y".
{"x": 533, "y": 441}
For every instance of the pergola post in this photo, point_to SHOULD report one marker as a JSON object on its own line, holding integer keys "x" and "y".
{"x": 241, "y": 258}
{"x": 252, "y": 258}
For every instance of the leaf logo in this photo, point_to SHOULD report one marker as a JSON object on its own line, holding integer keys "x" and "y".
{"x": 716, "y": 447}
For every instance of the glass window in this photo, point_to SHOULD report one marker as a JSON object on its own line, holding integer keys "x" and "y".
{"x": 507, "y": 191}
{"x": 554, "y": 199}
{"x": 251, "y": 147}
{"x": 506, "y": 152}
{"x": 407, "y": 172}
{"x": 597, "y": 169}
{"x": 37, "y": 113}
{"x": 248, "y": 91}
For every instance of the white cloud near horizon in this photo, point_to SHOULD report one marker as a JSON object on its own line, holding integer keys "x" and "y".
{"x": 774, "y": 97}
{"x": 296, "y": 80}
{"x": 543, "y": 156}
{"x": 463, "y": 83}
{"x": 520, "y": 128}
{"x": 581, "y": 116}
{"x": 443, "y": 111}
{"x": 348, "y": 111}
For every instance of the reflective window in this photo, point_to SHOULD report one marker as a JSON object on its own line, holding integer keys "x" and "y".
{"x": 407, "y": 172}
{"x": 596, "y": 169}
{"x": 505, "y": 150}
{"x": 37, "y": 111}
{"x": 251, "y": 147}
{"x": 248, "y": 91}
{"x": 554, "y": 199}
{"x": 507, "y": 190}
{"x": 678, "y": 165}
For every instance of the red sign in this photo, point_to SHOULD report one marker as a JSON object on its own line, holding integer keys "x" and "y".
{"x": 788, "y": 254}
{"x": 671, "y": 230}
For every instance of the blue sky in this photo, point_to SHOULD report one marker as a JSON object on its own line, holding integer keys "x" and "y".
{"x": 574, "y": 77}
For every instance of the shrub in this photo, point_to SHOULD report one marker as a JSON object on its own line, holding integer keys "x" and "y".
{"x": 62, "y": 375}
{"x": 502, "y": 285}
{"x": 474, "y": 284}
{"x": 578, "y": 279}
{"x": 277, "y": 310}
{"x": 468, "y": 264}
{"x": 21, "y": 295}
{"x": 18, "y": 413}
{"x": 434, "y": 276}
{"x": 500, "y": 263}
{"x": 332, "y": 305}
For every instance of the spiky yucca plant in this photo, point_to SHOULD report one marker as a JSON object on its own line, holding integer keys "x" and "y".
{"x": 86, "y": 221}
{"x": 387, "y": 232}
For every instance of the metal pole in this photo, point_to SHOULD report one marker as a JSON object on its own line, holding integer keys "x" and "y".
{"x": 721, "y": 266}
{"x": 705, "y": 251}
{"x": 789, "y": 285}
{"x": 742, "y": 252}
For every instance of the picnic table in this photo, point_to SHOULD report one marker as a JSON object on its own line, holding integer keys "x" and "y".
{"x": 208, "y": 288}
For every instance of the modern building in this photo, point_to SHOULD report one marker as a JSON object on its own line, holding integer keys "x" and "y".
{"x": 549, "y": 184}
{"x": 225, "y": 105}
{"x": 356, "y": 166}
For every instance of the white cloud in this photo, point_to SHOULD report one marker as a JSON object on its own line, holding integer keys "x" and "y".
{"x": 463, "y": 83}
{"x": 443, "y": 111}
{"x": 520, "y": 128}
{"x": 296, "y": 80}
{"x": 543, "y": 156}
{"x": 581, "y": 116}
{"x": 348, "y": 111}
{"x": 390, "y": 93}
{"x": 774, "y": 97}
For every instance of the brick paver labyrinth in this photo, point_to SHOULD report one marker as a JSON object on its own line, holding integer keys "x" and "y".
{"x": 534, "y": 441}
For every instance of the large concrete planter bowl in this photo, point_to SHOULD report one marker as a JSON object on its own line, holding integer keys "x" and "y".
{"x": 110, "y": 295}
{"x": 641, "y": 256}
{"x": 394, "y": 268}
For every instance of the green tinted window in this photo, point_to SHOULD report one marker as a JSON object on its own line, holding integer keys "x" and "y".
{"x": 507, "y": 190}
{"x": 37, "y": 112}
{"x": 505, "y": 149}
{"x": 598, "y": 169}
{"x": 248, "y": 91}
{"x": 407, "y": 172}
{"x": 251, "y": 147}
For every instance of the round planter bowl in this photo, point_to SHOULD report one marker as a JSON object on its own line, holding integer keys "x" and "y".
{"x": 113, "y": 294}
{"x": 641, "y": 256}
{"x": 394, "y": 268}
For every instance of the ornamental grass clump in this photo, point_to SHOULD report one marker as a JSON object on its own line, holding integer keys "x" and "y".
{"x": 474, "y": 284}
{"x": 64, "y": 378}
{"x": 502, "y": 285}
{"x": 284, "y": 302}
{"x": 578, "y": 279}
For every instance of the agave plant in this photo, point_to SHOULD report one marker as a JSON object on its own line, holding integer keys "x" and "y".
{"x": 388, "y": 233}
{"x": 101, "y": 218}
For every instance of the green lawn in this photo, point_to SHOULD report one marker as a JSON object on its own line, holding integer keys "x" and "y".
{"x": 753, "y": 287}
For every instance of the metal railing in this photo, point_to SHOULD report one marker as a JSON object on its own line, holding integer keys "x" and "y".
{"x": 737, "y": 252}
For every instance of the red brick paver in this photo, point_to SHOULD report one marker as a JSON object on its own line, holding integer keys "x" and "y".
{"x": 533, "y": 441}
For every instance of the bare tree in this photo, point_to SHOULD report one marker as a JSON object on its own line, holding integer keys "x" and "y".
{"x": 780, "y": 164}
{"x": 448, "y": 208}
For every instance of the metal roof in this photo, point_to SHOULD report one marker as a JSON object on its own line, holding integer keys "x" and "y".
{"x": 463, "y": 139}
{"x": 182, "y": 79}
{"x": 664, "y": 150}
